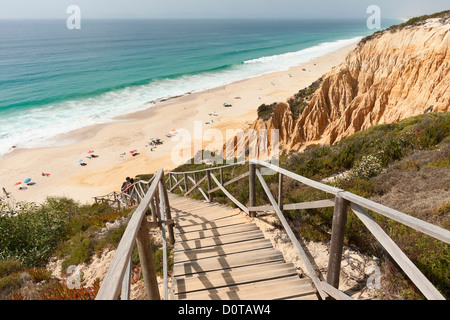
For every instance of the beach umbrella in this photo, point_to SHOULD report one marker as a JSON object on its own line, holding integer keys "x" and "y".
{"x": 18, "y": 183}
{"x": 79, "y": 160}
{"x": 28, "y": 180}
{"x": 133, "y": 151}
{"x": 91, "y": 151}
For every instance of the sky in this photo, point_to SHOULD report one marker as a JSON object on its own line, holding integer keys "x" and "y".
{"x": 199, "y": 9}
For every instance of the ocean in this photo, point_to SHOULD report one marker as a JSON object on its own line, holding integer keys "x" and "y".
{"x": 54, "y": 80}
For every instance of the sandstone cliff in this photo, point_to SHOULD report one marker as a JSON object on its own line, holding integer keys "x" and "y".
{"x": 392, "y": 75}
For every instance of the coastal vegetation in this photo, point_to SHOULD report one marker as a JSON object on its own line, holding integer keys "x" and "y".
{"x": 363, "y": 164}
{"x": 297, "y": 103}
{"x": 60, "y": 228}
{"x": 415, "y": 21}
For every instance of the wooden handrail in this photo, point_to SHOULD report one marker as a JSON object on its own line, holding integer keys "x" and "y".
{"x": 343, "y": 199}
{"x": 117, "y": 278}
{"x": 138, "y": 231}
{"x": 309, "y": 268}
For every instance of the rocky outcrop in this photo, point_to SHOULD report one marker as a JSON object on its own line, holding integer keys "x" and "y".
{"x": 396, "y": 74}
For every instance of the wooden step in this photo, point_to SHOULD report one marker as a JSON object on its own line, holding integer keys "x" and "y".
{"x": 196, "y": 219}
{"x": 282, "y": 288}
{"x": 233, "y": 277}
{"x": 218, "y": 240}
{"x": 227, "y": 262}
{"x": 216, "y": 232}
{"x": 211, "y": 225}
{"x": 213, "y": 251}
{"x": 220, "y": 254}
{"x": 203, "y": 211}
{"x": 185, "y": 208}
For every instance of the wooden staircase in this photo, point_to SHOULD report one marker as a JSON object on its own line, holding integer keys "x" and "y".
{"x": 220, "y": 254}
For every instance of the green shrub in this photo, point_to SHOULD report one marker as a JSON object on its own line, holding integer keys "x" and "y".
{"x": 366, "y": 168}
{"x": 111, "y": 239}
{"x": 77, "y": 250}
{"x": 30, "y": 235}
{"x": 9, "y": 266}
{"x": 9, "y": 284}
{"x": 265, "y": 111}
{"x": 361, "y": 187}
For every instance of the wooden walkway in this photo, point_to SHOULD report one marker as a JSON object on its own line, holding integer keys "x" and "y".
{"x": 220, "y": 254}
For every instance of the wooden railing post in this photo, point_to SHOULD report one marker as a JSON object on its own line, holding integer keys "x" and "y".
{"x": 280, "y": 191}
{"x": 170, "y": 181}
{"x": 221, "y": 176}
{"x": 146, "y": 259}
{"x": 185, "y": 183}
{"x": 168, "y": 214}
{"x": 251, "y": 188}
{"x": 208, "y": 175}
{"x": 337, "y": 241}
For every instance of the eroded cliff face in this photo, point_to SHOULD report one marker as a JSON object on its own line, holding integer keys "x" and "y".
{"x": 394, "y": 75}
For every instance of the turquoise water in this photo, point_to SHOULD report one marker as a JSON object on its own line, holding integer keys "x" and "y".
{"x": 54, "y": 80}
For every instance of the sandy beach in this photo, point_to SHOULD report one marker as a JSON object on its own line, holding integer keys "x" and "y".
{"x": 113, "y": 142}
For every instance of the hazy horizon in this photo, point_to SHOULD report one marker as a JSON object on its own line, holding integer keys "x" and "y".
{"x": 211, "y": 9}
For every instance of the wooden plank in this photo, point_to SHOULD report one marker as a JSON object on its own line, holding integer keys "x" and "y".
{"x": 273, "y": 289}
{"x": 199, "y": 252}
{"x": 333, "y": 292}
{"x": 227, "y": 262}
{"x": 310, "y": 205}
{"x": 299, "y": 178}
{"x": 196, "y": 184}
{"x": 224, "y": 278}
{"x": 206, "y": 212}
{"x": 111, "y": 285}
{"x": 304, "y": 297}
{"x": 424, "y": 285}
{"x": 182, "y": 222}
{"x": 232, "y": 230}
{"x": 143, "y": 242}
{"x": 252, "y": 188}
{"x": 198, "y": 187}
{"x": 212, "y": 225}
{"x": 422, "y": 226}
{"x": 126, "y": 283}
{"x": 218, "y": 240}
{"x": 240, "y": 205}
{"x": 216, "y": 168}
{"x": 337, "y": 241}
{"x": 309, "y": 268}
{"x": 164, "y": 241}
{"x": 176, "y": 184}
{"x": 261, "y": 208}
{"x": 242, "y": 176}
{"x": 227, "y": 249}
{"x": 209, "y": 215}
{"x": 298, "y": 206}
